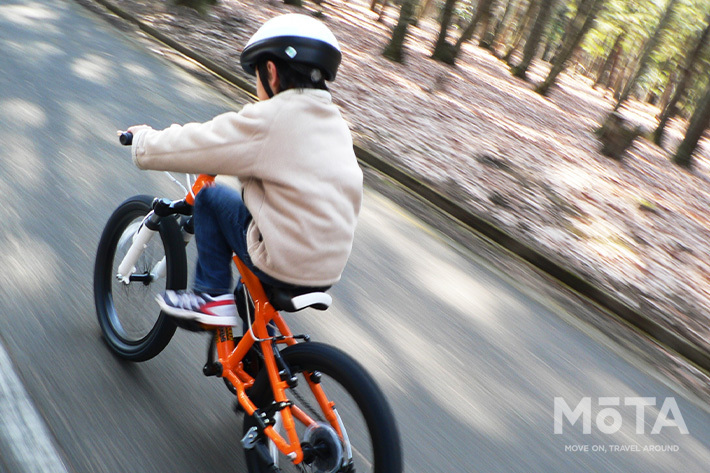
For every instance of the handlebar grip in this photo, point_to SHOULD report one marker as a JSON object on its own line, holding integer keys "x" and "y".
{"x": 126, "y": 138}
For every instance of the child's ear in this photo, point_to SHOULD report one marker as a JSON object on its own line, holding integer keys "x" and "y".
{"x": 273, "y": 76}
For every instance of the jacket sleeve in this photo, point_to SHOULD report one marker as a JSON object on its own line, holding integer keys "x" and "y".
{"x": 228, "y": 144}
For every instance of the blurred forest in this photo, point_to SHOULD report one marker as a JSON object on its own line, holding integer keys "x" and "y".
{"x": 651, "y": 50}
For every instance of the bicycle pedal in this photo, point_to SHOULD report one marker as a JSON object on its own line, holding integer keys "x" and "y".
{"x": 251, "y": 438}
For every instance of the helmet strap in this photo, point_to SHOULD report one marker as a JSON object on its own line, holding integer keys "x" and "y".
{"x": 264, "y": 78}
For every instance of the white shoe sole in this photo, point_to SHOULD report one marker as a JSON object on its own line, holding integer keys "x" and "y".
{"x": 206, "y": 319}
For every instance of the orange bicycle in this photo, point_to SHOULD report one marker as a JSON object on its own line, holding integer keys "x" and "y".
{"x": 308, "y": 406}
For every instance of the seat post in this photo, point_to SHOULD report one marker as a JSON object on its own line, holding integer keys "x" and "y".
{"x": 249, "y": 279}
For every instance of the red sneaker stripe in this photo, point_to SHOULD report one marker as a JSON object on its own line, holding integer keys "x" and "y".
{"x": 206, "y": 308}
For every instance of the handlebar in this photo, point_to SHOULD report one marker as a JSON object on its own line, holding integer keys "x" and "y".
{"x": 126, "y": 138}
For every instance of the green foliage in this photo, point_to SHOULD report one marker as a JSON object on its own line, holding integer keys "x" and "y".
{"x": 689, "y": 102}
{"x": 685, "y": 26}
{"x": 463, "y": 13}
{"x": 639, "y": 19}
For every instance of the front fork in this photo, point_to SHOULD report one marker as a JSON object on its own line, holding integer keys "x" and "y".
{"x": 142, "y": 237}
{"x": 150, "y": 225}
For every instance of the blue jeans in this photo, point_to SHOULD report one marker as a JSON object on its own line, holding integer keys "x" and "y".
{"x": 221, "y": 221}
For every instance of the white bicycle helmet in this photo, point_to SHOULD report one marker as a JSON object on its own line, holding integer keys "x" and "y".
{"x": 294, "y": 38}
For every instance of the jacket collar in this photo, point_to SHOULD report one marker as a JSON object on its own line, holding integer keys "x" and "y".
{"x": 318, "y": 94}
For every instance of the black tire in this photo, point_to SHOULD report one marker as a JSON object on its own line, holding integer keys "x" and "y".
{"x": 365, "y": 413}
{"x": 130, "y": 320}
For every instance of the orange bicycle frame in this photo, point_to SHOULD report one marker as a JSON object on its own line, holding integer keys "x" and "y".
{"x": 231, "y": 355}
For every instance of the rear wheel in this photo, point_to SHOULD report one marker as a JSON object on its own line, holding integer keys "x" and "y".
{"x": 130, "y": 320}
{"x": 370, "y": 443}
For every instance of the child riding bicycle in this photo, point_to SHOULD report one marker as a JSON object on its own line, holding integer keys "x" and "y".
{"x": 293, "y": 224}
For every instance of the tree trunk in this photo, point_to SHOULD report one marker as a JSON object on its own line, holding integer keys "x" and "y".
{"x": 620, "y": 80}
{"x": 201, "y": 6}
{"x": 486, "y": 31}
{"x": 395, "y": 49}
{"x": 616, "y": 136}
{"x": 483, "y": 14}
{"x": 668, "y": 89}
{"x": 668, "y": 76}
{"x": 532, "y": 43}
{"x": 583, "y": 20}
{"x": 520, "y": 31}
{"x": 511, "y": 18}
{"x": 698, "y": 124}
{"x": 382, "y": 10}
{"x": 643, "y": 63}
{"x": 443, "y": 50}
{"x": 596, "y": 63}
{"x": 569, "y": 26}
{"x": 605, "y": 74}
{"x": 423, "y": 9}
{"x": 510, "y": 8}
{"x": 683, "y": 82}
{"x": 558, "y": 22}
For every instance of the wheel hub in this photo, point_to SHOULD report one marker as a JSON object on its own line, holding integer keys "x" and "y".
{"x": 325, "y": 450}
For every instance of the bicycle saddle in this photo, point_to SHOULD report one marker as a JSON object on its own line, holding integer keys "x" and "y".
{"x": 298, "y": 298}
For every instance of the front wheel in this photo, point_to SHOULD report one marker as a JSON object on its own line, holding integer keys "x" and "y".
{"x": 130, "y": 320}
{"x": 370, "y": 441}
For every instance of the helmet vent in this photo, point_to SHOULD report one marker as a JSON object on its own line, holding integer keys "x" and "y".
{"x": 291, "y": 52}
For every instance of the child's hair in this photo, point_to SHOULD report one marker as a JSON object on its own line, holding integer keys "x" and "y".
{"x": 294, "y": 76}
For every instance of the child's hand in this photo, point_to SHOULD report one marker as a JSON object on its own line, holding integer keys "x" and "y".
{"x": 137, "y": 128}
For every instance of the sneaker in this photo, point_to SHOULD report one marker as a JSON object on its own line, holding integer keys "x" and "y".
{"x": 203, "y": 308}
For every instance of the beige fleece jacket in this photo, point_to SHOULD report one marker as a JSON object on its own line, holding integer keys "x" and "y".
{"x": 301, "y": 181}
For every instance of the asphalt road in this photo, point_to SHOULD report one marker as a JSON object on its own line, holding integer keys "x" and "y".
{"x": 473, "y": 362}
